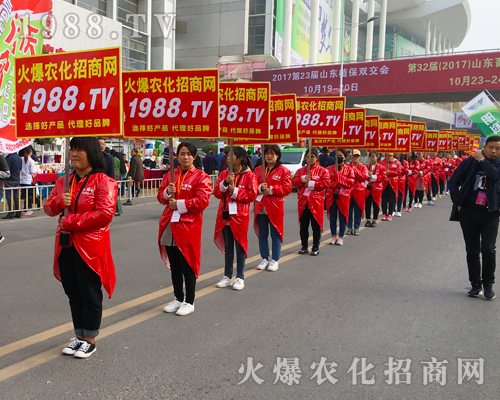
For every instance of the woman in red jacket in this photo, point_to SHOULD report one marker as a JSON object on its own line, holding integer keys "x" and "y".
{"x": 269, "y": 206}
{"x": 236, "y": 192}
{"x": 82, "y": 256}
{"x": 311, "y": 198}
{"x": 357, "y": 204}
{"x": 436, "y": 164}
{"x": 391, "y": 185}
{"x": 374, "y": 187}
{"x": 338, "y": 197}
{"x": 413, "y": 169}
{"x": 402, "y": 184}
{"x": 449, "y": 168}
{"x": 179, "y": 237}
{"x": 422, "y": 180}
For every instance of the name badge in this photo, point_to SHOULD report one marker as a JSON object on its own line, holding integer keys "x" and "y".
{"x": 481, "y": 199}
{"x": 233, "y": 209}
{"x": 176, "y": 217}
{"x": 259, "y": 197}
{"x": 307, "y": 192}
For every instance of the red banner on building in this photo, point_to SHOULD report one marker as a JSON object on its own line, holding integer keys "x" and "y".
{"x": 388, "y": 134}
{"x": 320, "y": 117}
{"x": 178, "y": 103}
{"x": 69, "y": 94}
{"x": 354, "y": 131}
{"x": 244, "y": 110}
{"x": 450, "y": 73}
{"x": 432, "y": 141}
{"x": 283, "y": 127}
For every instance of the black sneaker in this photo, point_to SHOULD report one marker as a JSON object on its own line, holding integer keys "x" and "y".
{"x": 73, "y": 347}
{"x": 303, "y": 250}
{"x": 86, "y": 350}
{"x": 489, "y": 294}
{"x": 374, "y": 224}
{"x": 476, "y": 291}
{"x": 368, "y": 224}
{"x": 314, "y": 252}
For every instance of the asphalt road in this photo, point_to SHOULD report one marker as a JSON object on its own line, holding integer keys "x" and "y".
{"x": 398, "y": 291}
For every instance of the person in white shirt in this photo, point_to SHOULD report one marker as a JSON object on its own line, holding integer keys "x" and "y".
{"x": 28, "y": 171}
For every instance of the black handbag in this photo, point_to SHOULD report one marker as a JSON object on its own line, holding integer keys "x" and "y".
{"x": 454, "y": 213}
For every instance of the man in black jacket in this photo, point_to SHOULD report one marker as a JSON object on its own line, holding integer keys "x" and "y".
{"x": 109, "y": 163}
{"x": 475, "y": 190}
{"x": 14, "y": 180}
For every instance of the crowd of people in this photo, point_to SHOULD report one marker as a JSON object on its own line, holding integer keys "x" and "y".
{"x": 347, "y": 189}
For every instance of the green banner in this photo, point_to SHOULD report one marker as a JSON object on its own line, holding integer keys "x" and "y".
{"x": 484, "y": 114}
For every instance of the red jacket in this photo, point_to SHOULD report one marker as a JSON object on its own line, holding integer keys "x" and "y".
{"x": 425, "y": 172}
{"x": 403, "y": 176}
{"x": 449, "y": 167}
{"x": 359, "y": 188}
{"x": 279, "y": 181}
{"x": 321, "y": 178}
{"x": 341, "y": 183}
{"x": 195, "y": 189}
{"x": 244, "y": 194}
{"x": 377, "y": 186}
{"x": 436, "y": 167}
{"x": 394, "y": 172}
{"x": 89, "y": 227}
{"x": 413, "y": 169}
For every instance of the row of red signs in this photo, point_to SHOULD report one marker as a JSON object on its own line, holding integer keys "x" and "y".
{"x": 86, "y": 94}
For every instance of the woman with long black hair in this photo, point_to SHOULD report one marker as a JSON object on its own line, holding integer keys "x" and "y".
{"x": 236, "y": 191}
{"x": 374, "y": 187}
{"x": 411, "y": 180}
{"x": 82, "y": 259}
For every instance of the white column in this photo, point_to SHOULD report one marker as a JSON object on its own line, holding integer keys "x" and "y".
{"x": 383, "y": 27}
{"x": 355, "y": 30}
{"x": 434, "y": 40}
{"x": 428, "y": 38}
{"x": 286, "y": 48}
{"x": 443, "y": 49}
{"x": 337, "y": 30}
{"x": 369, "y": 31}
{"x": 448, "y": 45}
{"x": 314, "y": 32}
{"x": 439, "y": 43}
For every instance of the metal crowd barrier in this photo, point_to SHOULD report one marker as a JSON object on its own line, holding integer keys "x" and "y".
{"x": 127, "y": 191}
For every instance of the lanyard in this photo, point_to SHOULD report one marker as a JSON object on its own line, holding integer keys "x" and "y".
{"x": 238, "y": 177}
{"x": 179, "y": 183}
{"x": 267, "y": 172}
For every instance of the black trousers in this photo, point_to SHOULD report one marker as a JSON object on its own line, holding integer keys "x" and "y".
{"x": 369, "y": 203}
{"x": 480, "y": 229}
{"x": 27, "y": 196}
{"x": 442, "y": 186}
{"x": 307, "y": 217}
{"x": 181, "y": 272}
{"x": 433, "y": 188}
{"x": 83, "y": 288}
{"x": 12, "y": 197}
{"x": 408, "y": 196}
{"x": 419, "y": 196}
{"x": 388, "y": 200}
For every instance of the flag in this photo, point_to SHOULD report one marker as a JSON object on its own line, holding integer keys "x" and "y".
{"x": 484, "y": 114}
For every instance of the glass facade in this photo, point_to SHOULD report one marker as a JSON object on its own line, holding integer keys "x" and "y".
{"x": 96, "y": 6}
{"x": 134, "y": 50}
{"x": 256, "y": 27}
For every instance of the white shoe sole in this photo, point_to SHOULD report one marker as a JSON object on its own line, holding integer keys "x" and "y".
{"x": 274, "y": 269}
{"x": 185, "y": 313}
{"x": 223, "y": 285}
{"x": 172, "y": 310}
{"x": 238, "y": 288}
{"x": 85, "y": 355}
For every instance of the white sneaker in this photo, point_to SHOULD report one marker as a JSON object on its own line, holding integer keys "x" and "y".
{"x": 263, "y": 264}
{"x": 419, "y": 205}
{"x": 29, "y": 212}
{"x": 273, "y": 266}
{"x": 393, "y": 213}
{"x": 398, "y": 214}
{"x": 224, "y": 282}
{"x": 185, "y": 309}
{"x": 173, "y": 306}
{"x": 239, "y": 284}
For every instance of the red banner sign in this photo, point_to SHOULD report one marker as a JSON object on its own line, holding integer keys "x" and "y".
{"x": 418, "y": 132}
{"x": 454, "y": 141}
{"x": 388, "y": 134}
{"x": 69, "y": 94}
{"x": 443, "y": 141}
{"x": 354, "y": 131}
{"x": 320, "y": 117}
{"x": 432, "y": 141}
{"x": 283, "y": 122}
{"x": 403, "y": 143}
{"x": 372, "y": 138}
{"x": 244, "y": 110}
{"x": 463, "y": 140}
{"x": 450, "y": 73}
{"x": 178, "y": 103}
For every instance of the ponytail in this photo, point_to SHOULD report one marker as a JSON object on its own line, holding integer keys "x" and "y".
{"x": 241, "y": 153}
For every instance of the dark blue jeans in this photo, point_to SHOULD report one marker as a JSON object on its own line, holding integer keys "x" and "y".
{"x": 400, "y": 199}
{"x": 334, "y": 210}
{"x": 229, "y": 242}
{"x": 354, "y": 214}
{"x": 264, "y": 224}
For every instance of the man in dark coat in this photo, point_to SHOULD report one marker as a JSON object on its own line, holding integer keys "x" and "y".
{"x": 14, "y": 180}
{"x": 109, "y": 164}
{"x": 136, "y": 172}
{"x": 210, "y": 162}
